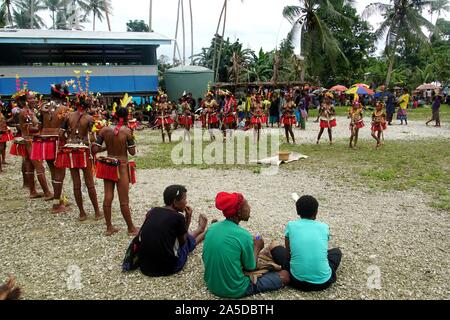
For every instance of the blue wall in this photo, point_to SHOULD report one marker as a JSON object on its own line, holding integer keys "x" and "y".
{"x": 104, "y": 85}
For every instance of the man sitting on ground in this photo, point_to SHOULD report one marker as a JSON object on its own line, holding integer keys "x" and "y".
{"x": 230, "y": 249}
{"x": 165, "y": 241}
{"x": 311, "y": 265}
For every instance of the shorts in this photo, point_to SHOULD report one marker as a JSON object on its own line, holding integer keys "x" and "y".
{"x": 184, "y": 251}
{"x": 268, "y": 282}
{"x": 274, "y": 119}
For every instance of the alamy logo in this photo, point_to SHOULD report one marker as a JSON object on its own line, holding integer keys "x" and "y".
{"x": 241, "y": 148}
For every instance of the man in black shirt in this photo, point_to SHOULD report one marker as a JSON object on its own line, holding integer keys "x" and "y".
{"x": 275, "y": 110}
{"x": 165, "y": 240}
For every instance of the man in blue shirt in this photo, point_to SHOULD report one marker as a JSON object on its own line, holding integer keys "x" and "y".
{"x": 311, "y": 265}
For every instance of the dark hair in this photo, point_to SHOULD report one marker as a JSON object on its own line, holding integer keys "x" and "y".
{"x": 173, "y": 193}
{"x": 59, "y": 91}
{"x": 307, "y": 207}
{"x": 122, "y": 113}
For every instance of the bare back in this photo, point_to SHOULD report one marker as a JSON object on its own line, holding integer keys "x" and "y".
{"x": 118, "y": 146}
{"x": 78, "y": 126}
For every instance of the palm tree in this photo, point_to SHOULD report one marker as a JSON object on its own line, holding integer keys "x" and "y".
{"x": 438, "y": 6}
{"x": 54, "y": 6}
{"x": 97, "y": 8}
{"x": 310, "y": 19}
{"x": 27, "y": 15}
{"x": 107, "y": 5}
{"x": 403, "y": 21}
{"x": 6, "y": 9}
{"x": 223, "y": 14}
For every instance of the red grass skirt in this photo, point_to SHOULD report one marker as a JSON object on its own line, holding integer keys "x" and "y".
{"x": 166, "y": 121}
{"x": 132, "y": 170}
{"x": 228, "y": 120}
{"x": 18, "y": 150}
{"x": 328, "y": 124}
{"x": 108, "y": 169}
{"x": 213, "y": 119}
{"x": 185, "y": 120}
{"x": 43, "y": 148}
{"x": 291, "y": 120}
{"x": 6, "y": 136}
{"x": 359, "y": 125}
{"x": 259, "y": 120}
{"x": 70, "y": 158}
{"x": 379, "y": 127}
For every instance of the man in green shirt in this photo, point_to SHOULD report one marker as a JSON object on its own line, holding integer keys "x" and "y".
{"x": 229, "y": 250}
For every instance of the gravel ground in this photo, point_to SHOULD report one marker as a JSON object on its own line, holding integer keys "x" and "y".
{"x": 396, "y": 232}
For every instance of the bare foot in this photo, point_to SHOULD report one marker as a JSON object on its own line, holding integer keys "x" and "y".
{"x": 49, "y": 197}
{"x": 202, "y": 222}
{"x": 36, "y": 195}
{"x": 99, "y": 217}
{"x": 110, "y": 231}
{"x": 133, "y": 232}
{"x": 214, "y": 221}
{"x": 60, "y": 209}
{"x": 82, "y": 218}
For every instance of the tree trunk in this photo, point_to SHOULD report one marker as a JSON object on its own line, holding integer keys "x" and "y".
{"x": 221, "y": 42}
{"x": 192, "y": 32}
{"x": 391, "y": 63}
{"x": 184, "y": 32}
{"x": 215, "y": 38}
{"x": 31, "y": 14}
{"x": 93, "y": 27}
{"x": 53, "y": 19}
{"x": 150, "y": 17}
{"x": 176, "y": 31}
{"x": 10, "y": 16}
{"x": 107, "y": 14}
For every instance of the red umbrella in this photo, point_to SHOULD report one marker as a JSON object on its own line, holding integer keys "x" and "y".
{"x": 339, "y": 88}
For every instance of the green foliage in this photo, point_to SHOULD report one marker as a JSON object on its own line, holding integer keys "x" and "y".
{"x": 137, "y": 26}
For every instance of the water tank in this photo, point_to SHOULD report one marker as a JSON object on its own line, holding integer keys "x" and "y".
{"x": 194, "y": 79}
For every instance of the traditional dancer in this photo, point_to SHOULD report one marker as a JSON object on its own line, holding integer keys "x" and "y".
{"x": 29, "y": 127}
{"x": 186, "y": 118}
{"x": 356, "y": 122}
{"x": 46, "y": 144}
{"x": 288, "y": 119}
{"x": 164, "y": 119}
{"x": 229, "y": 115}
{"x": 327, "y": 117}
{"x": 115, "y": 169}
{"x": 212, "y": 119}
{"x": 378, "y": 123}
{"x": 76, "y": 154}
{"x": 5, "y": 136}
{"x": 258, "y": 117}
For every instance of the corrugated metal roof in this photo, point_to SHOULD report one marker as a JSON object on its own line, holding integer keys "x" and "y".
{"x": 35, "y": 36}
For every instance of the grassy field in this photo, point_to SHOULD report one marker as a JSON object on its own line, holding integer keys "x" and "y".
{"x": 419, "y": 114}
{"x": 398, "y": 165}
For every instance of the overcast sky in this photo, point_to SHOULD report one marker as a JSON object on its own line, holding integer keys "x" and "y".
{"x": 256, "y": 23}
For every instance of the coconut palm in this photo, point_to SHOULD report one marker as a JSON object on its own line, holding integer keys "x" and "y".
{"x": 310, "y": 19}
{"x": 53, "y": 6}
{"x": 223, "y": 14}
{"x": 26, "y": 16}
{"x": 403, "y": 22}
{"x": 439, "y": 7}
{"x": 98, "y": 8}
{"x": 6, "y": 9}
{"x": 108, "y": 8}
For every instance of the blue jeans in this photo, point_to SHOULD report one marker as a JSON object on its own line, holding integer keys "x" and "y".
{"x": 184, "y": 251}
{"x": 269, "y": 282}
